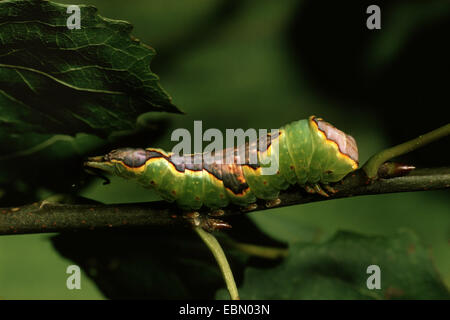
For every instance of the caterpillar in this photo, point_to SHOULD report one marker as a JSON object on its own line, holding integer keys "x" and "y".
{"x": 311, "y": 153}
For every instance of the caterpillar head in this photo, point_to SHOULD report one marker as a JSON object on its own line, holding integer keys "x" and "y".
{"x": 125, "y": 162}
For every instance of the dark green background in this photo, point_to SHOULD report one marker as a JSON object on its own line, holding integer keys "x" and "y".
{"x": 261, "y": 64}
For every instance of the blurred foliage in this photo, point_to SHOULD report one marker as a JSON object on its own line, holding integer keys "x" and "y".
{"x": 136, "y": 265}
{"x": 155, "y": 263}
{"x": 396, "y": 74}
{"x": 262, "y": 64}
{"x": 337, "y": 269}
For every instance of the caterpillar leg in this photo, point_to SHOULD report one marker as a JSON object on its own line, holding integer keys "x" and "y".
{"x": 191, "y": 215}
{"x": 315, "y": 188}
{"x": 250, "y": 207}
{"x": 319, "y": 190}
{"x": 329, "y": 189}
{"x": 309, "y": 189}
{"x": 216, "y": 213}
{"x": 273, "y": 203}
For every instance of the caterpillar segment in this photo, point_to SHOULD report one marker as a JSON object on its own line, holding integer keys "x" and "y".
{"x": 311, "y": 153}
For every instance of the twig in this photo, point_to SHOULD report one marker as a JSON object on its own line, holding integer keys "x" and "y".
{"x": 53, "y": 217}
{"x": 265, "y": 252}
{"x": 372, "y": 165}
{"x": 219, "y": 255}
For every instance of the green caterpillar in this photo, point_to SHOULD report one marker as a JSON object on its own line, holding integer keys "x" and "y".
{"x": 311, "y": 153}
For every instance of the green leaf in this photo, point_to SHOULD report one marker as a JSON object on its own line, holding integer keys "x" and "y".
{"x": 56, "y": 83}
{"x": 337, "y": 269}
{"x": 54, "y": 80}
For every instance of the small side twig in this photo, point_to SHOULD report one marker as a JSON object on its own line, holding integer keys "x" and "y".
{"x": 264, "y": 252}
{"x": 372, "y": 165}
{"x": 219, "y": 255}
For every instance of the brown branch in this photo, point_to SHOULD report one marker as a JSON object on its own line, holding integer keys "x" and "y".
{"x": 46, "y": 217}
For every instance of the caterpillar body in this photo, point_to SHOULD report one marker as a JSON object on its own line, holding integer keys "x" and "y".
{"x": 311, "y": 152}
